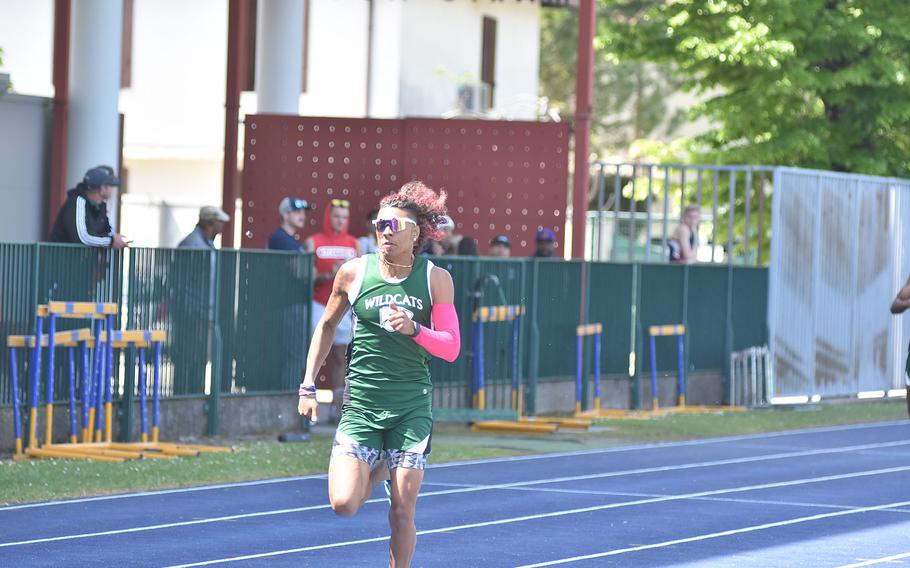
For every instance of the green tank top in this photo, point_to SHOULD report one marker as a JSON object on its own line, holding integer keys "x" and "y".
{"x": 388, "y": 370}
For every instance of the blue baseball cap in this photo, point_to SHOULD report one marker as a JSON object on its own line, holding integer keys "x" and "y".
{"x": 100, "y": 175}
{"x": 545, "y": 235}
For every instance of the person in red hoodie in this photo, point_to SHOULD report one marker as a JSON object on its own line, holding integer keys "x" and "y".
{"x": 333, "y": 246}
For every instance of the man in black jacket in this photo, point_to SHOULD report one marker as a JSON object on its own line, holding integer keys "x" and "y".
{"x": 83, "y": 217}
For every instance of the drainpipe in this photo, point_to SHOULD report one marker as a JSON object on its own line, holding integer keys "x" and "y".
{"x": 56, "y": 192}
{"x": 584, "y": 90}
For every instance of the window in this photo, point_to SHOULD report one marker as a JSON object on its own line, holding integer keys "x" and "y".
{"x": 488, "y": 58}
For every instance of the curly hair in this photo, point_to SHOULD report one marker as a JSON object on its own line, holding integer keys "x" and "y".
{"x": 425, "y": 205}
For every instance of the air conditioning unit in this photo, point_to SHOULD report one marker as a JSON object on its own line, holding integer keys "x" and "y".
{"x": 474, "y": 98}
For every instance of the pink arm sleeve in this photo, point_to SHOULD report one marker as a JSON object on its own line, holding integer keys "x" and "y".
{"x": 444, "y": 340}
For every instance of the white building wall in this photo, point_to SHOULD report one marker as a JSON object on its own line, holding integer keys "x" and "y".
{"x": 386, "y": 60}
{"x": 27, "y": 40}
{"x": 443, "y": 42}
{"x": 24, "y": 161}
{"x": 174, "y": 108}
{"x": 337, "y": 62}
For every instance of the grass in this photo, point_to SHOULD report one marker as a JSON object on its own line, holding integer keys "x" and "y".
{"x": 689, "y": 426}
{"x": 39, "y": 480}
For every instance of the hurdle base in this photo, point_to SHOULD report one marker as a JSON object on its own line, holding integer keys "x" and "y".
{"x": 621, "y": 414}
{"x": 517, "y": 427}
{"x": 576, "y": 423}
{"x": 56, "y": 453}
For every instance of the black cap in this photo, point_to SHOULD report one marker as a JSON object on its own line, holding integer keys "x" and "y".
{"x": 100, "y": 175}
{"x": 501, "y": 240}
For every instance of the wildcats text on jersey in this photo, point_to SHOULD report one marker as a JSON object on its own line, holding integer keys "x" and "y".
{"x": 386, "y": 299}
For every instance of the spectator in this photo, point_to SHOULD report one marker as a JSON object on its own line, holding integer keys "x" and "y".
{"x": 83, "y": 217}
{"x": 447, "y": 244}
{"x": 449, "y": 239}
{"x": 292, "y": 212}
{"x": 684, "y": 241}
{"x": 467, "y": 246}
{"x": 333, "y": 247}
{"x": 293, "y": 218}
{"x": 900, "y": 304}
{"x": 546, "y": 243}
{"x": 501, "y": 246}
{"x": 368, "y": 243}
{"x": 211, "y": 223}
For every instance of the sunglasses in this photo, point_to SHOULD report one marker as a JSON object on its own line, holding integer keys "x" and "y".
{"x": 298, "y": 204}
{"x": 397, "y": 224}
{"x": 343, "y": 203}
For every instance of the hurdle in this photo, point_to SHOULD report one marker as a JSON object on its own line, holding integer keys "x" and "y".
{"x": 149, "y": 446}
{"x": 678, "y": 330}
{"x": 524, "y": 424}
{"x": 97, "y": 383}
{"x": 492, "y": 314}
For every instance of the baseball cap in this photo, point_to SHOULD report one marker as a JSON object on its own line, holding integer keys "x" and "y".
{"x": 289, "y": 204}
{"x": 501, "y": 240}
{"x": 100, "y": 175}
{"x": 545, "y": 235}
{"x": 212, "y": 213}
{"x": 445, "y": 222}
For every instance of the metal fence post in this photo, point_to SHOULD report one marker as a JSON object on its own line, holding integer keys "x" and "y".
{"x": 533, "y": 342}
{"x": 214, "y": 355}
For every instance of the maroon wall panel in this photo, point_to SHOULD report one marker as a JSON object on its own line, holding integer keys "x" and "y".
{"x": 501, "y": 177}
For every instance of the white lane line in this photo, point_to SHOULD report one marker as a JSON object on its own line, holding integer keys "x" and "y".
{"x": 557, "y": 455}
{"x": 720, "y": 534}
{"x": 163, "y": 492}
{"x": 711, "y": 499}
{"x": 473, "y": 489}
{"x": 591, "y": 509}
{"x": 878, "y": 560}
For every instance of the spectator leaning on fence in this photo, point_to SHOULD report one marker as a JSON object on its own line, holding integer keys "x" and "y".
{"x": 211, "y": 222}
{"x": 293, "y": 218}
{"x": 83, "y": 217}
{"x": 900, "y": 304}
{"x": 684, "y": 242}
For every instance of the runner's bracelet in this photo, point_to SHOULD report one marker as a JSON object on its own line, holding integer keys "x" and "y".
{"x": 307, "y": 391}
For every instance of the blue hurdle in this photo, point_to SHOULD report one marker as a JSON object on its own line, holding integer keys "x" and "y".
{"x": 679, "y": 331}
{"x": 490, "y": 314}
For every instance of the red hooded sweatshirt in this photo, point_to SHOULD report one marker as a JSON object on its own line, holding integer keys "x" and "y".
{"x": 330, "y": 247}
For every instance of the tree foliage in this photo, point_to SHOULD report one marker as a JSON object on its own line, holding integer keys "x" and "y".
{"x": 630, "y": 97}
{"x": 814, "y": 83}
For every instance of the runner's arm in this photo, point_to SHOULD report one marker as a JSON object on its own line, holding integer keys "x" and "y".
{"x": 325, "y": 330}
{"x": 444, "y": 340}
{"x": 902, "y": 301}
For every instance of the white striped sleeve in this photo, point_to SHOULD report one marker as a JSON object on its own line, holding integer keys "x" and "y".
{"x": 81, "y": 229}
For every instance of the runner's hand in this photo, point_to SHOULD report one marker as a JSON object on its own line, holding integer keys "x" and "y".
{"x": 307, "y": 406}
{"x": 400, "y": 321}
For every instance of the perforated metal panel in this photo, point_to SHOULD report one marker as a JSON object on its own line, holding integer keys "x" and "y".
{"x": 501, "y": 177}
{"x": 837, "y": 260}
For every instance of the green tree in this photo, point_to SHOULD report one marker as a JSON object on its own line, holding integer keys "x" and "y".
{"x": 814, "y": 83}
{"x": 629, "y": 96}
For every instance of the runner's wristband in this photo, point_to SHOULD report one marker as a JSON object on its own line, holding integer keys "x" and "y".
{"x": 416, "y": 329}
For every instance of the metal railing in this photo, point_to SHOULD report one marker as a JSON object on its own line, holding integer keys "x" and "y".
{"x": 751, "y": 377}
{"x": 639, "y": 204}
